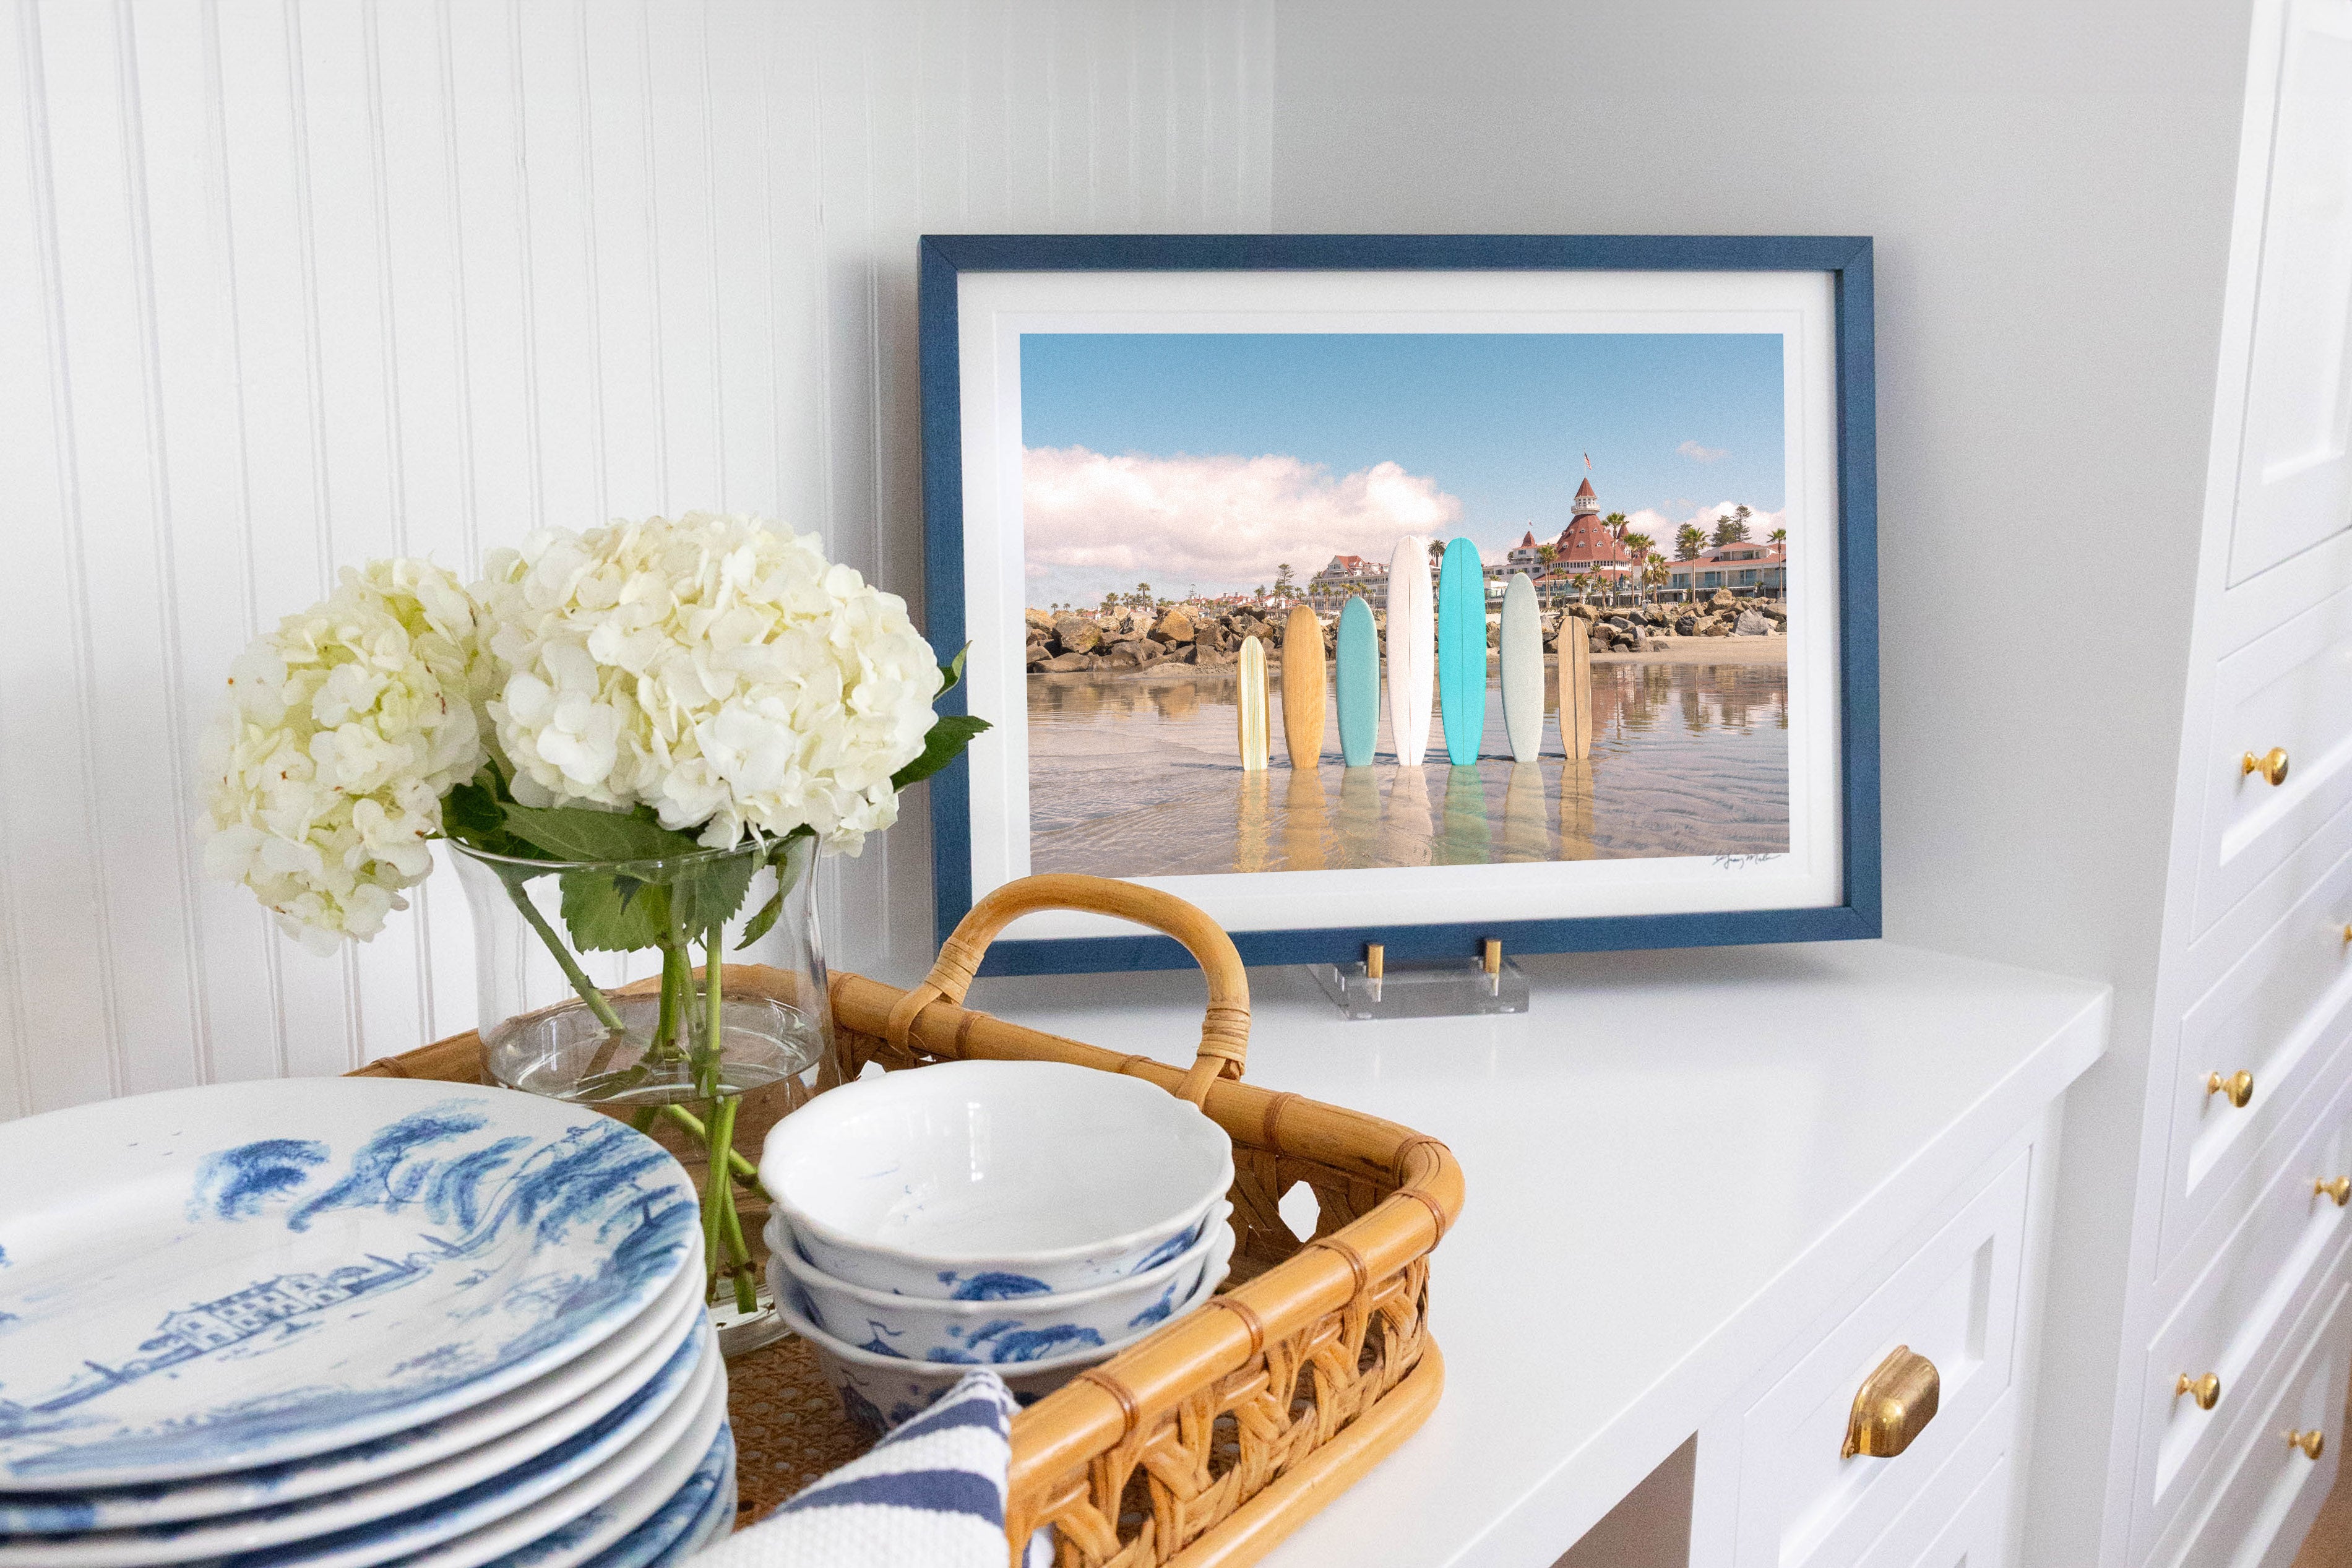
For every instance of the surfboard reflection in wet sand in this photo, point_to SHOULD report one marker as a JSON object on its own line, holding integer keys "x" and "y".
{"x": 1136, "y": 774}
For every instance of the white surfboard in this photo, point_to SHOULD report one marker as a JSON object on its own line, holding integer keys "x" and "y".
{"x": 1523, "y": 668}
{"x": 1412, "y": 650}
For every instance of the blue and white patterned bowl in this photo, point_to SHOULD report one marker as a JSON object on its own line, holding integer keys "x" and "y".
{"x": 213, "y": 1279}
{"x": 879, "y": 1392}
{"x": 1005, "y": 1324}
{"x": 1039, "y": 1176}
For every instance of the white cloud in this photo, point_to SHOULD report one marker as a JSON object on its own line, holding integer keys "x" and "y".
{"x": 1698, "y": 454}
{"x": 1222, "y": 522}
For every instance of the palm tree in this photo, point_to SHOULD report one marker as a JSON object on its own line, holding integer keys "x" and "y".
{"x": 1689, "y": 540}
{"x": 1616, "y": 522}
{"x": 1282, "y": 583}
{"x": 1640, "y": 546}
{"x": 1545, "y": 554}
{"x": 1778, "y": 536}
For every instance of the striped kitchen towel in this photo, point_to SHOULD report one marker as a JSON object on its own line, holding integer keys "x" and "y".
{"x": 930, "y": 1495}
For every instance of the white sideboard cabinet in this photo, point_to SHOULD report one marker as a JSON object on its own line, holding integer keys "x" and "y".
{"x": 1710, "y": 1194}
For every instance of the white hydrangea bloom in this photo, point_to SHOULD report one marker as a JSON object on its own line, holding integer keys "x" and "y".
{"x": 716, "y": 668}
{"x": 343, "y": 729}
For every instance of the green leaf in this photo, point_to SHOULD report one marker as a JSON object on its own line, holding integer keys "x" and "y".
{"x": 607, "y": 913}
{"x": 790, "y": 863}
{"x": 710, "y": 894}
{"x": 472, "y": 814}
{"x": 951, "y": 672}
{"x": 761, "y": 924}
{"x": 582, "y": 833}
{"x": 943, "y": 744}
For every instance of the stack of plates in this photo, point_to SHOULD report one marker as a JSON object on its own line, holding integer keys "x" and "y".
{"x": 343, "y": 1321}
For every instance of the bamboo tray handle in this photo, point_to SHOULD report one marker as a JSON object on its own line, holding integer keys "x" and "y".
{"x": 1224, "y": 1032}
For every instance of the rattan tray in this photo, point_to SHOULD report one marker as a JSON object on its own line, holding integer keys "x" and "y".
{"x": 1210, "y": 1440}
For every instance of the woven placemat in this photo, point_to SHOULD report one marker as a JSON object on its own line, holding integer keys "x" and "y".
{"x": 789, "y": 1428}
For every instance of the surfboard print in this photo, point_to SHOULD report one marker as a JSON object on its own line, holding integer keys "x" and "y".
{"x": 1302, "y": 689}
{"x": 1523, "y": 668}
{"x": 1356, "y": 674}
{"x": 1250, "y": 706}
{"x": 1462, "y": 650}
{"x": 1412, "y": 669}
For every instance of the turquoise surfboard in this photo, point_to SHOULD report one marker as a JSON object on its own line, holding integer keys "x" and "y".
{"x": 1357, "y": 673}
{"x": 1462, "y": 651}
{"x": 1523, "y": 668}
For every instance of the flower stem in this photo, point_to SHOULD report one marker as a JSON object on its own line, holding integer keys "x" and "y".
{"x": 571, "y": 965}
{"x": 741, "y": 1169}
{"x": 719, "y": 1194}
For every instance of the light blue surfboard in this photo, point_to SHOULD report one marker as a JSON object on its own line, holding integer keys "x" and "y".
{"x": 1357, "y": 674}
{"x": 1462, "y": 651}
{"x": 1523, "y": 668}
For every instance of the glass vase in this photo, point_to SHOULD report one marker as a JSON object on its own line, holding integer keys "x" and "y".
{"x": 595, "y": 986}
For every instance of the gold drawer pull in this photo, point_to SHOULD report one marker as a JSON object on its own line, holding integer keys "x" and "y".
{"x": 2239, "y": 1087}
{"x": 2271, "y": 764}
{"x": 2206, "y": 1390}
{"x": 2313, "y": 1442}
{"x": 1893, "y": 1406}
{"x": 2336, "y": 1187}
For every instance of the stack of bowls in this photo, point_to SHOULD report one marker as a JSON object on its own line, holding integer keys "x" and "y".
{"x": 1031, "y": 1216}
{"x": 327, "y": 1324}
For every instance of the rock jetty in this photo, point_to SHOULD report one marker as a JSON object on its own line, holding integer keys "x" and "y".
{"x": 1139, "y": 638}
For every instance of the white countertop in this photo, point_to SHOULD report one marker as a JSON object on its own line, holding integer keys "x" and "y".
{"x": 1676, "y": 1161}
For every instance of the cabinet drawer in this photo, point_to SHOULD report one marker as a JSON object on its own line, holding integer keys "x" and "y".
{"x": 2233, "y": 1320}
{"x": 2289, "y": 691}
{"x": 2278, "y": 1014}
{"x": 1801, "y": 1505}
{"x": 1961, "y": 1519}
{"x": 2273, "y": 1491}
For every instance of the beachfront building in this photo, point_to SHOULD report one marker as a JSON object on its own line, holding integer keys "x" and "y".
{"x": 1744, "y": 566}
{"x": 1525, "y": 555}
{"x": 1587, "y": 549}
{"x": 1327, "y": 590}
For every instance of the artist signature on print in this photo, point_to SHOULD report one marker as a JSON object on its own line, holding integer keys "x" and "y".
{"x": 1741, "y": 862}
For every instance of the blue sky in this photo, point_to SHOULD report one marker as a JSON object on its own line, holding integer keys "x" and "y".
{"x": 1500, "y": 421}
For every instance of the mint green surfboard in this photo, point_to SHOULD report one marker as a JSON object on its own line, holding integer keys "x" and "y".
{"x": 1462, "y": 651}
{"x": 1357, "y": 673}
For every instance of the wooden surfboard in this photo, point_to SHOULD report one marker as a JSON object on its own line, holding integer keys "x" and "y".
{"x": 1355, "y": 672}
{"x": 1302, "y": 689}
{"x": 1523, "y": 668}
{"x": 1574, "y": 674}
{"x": 1251, "y": 705}
{"x": 1412, "y": 669}
{"x": 1462, "y": 651}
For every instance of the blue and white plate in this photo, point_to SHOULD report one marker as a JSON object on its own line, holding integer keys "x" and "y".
{"x": 216, "y": 1279}
{"x": 695, "y": 1515}
{"x": 402, "y": 1513}
{"x": 568, "y": 1530}
{"x": 487, "y": 1438}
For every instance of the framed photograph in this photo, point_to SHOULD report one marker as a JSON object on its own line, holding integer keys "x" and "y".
{"x": 1415, "y": 589}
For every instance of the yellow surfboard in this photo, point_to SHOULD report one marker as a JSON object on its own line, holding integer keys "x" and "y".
{"x": 1302, "y": 689}
{"x": 1574, "y": 674}
{"x": 1251, "y": 706}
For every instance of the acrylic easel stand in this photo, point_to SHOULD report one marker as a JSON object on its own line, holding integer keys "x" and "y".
{"x": 1449, "y": 988}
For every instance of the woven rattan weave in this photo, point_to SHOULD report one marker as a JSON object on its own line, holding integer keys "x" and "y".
{"x": 1208, "y": 1441}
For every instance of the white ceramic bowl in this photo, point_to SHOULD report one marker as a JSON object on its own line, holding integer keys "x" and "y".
{"x": 1008, "y": 1329}
{"x": 968, "y": 1180}
{"x": 879, "y": 1392}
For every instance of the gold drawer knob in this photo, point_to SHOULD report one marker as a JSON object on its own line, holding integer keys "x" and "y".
{"x": 2271, "y": 764}
{"x": 1893, "y": 1406}
{"x": 2336, "y": 1187}
{"x": 2206, "y": 1390}
{"x": 2239, "y": 1087}
{"x": 2313, "y": 1442}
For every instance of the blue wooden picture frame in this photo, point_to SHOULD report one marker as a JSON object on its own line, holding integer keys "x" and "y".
{"x": 1847, "y": 261}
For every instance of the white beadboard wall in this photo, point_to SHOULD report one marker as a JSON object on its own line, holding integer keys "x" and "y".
{"x": 288, "y": 284}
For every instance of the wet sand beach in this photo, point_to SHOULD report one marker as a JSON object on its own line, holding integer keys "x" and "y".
{"x": 1137, "y": 774}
